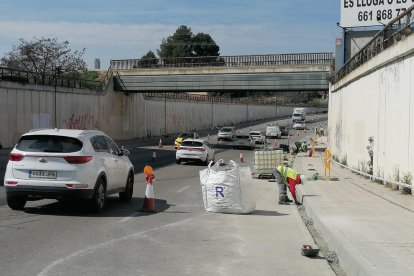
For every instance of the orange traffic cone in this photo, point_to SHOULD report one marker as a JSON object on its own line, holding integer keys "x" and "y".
{"x": 241, "y": 157}
{"x": 154, "y": 157}
{"x": 298, "y": 132}
{"x": 160, "y": 144}
{"x": 274, "y": 144}
{"x": 149, "y": 200}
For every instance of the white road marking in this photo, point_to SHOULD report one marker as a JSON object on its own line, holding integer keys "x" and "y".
{"x": 129, "y": 217}
{"x": 91, "y": 249}
{"x": 182, "y": 189}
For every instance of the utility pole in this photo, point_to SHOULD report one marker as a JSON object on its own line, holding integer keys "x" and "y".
{"x": 57, "y": 73}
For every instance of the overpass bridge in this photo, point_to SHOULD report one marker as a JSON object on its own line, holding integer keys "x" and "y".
{"x": 258, "y": 73}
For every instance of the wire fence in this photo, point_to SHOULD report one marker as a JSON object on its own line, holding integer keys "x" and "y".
{"x": 393, "y": 32}
{"x": 222, "y": 99}
{"x": 376, "y": 178}
{"x": 27, "y": 77}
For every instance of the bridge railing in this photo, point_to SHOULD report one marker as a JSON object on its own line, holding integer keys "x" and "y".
{"x": 27, "y": 77}
{"x": 225, "y": 61}
{"x": 393, "y": 32}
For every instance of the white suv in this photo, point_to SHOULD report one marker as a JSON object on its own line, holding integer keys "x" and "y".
{"x": 67, "y": 164}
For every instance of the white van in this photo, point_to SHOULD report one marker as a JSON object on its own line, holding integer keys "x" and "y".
{"x": 299, "y": 114}
{"x": 273, "y": 131}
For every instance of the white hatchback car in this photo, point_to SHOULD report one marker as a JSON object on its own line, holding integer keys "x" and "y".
{"x": 257, "y": 136}
{"x": 194, "y": 150}
{"x": 67, "y": 164}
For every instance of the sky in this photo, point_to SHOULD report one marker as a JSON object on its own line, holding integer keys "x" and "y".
{"x": 127, "y": 29}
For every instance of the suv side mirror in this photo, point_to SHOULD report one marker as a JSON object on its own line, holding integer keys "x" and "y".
{"x": 125, "y": 152}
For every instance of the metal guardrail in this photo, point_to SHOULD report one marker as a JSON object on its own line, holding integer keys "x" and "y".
{"x": 225, "y": 61}
{"x": 26, "y": 77}
{"x": 393, "y": 32}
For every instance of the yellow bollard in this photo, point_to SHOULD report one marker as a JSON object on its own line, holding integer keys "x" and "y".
{"x": 328, "y": 162}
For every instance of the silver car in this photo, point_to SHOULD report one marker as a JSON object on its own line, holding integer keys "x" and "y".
{"x": 243, "y": 141}
{"x": 227, "y": 133}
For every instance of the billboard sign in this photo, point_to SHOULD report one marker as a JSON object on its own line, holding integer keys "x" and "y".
{"x": 364, "y": 13}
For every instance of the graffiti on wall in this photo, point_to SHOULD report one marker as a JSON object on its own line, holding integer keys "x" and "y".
{"x": 177, "y": 122}
{"x": 85, "y": 121}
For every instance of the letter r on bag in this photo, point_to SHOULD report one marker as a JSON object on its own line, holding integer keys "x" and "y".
{"x": 219, "y": 190}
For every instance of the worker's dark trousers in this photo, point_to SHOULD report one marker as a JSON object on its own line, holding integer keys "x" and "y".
{"x": 282, "y": 187}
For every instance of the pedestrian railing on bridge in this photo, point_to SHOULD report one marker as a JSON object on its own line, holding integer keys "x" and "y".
{"x": 225, "y": 61}
{"x": 393, "y": 32}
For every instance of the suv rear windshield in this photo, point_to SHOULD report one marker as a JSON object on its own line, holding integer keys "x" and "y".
{"x": 186, "y": 135}
{"x": 226, "y": 130}
{"x": 242, "y": 136}
{"x": 255, "y": 133}
{"x": 191, "y": 144}
{"x": 49, "y": 143}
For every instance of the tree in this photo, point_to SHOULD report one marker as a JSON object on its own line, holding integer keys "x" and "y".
{"x": 183, "y": 43}
{"x": 43, "y": 56}
{"x": 204, "y": 45}
{"x": 148, "y": 60}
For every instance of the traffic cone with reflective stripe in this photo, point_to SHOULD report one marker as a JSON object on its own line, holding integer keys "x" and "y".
{"x": 149, "y": 200}
{"x": 274, "y": 144}
{"x": 154, "y": 156}
{"x": 160, "y": 144}
{"x": 241, "y": 157}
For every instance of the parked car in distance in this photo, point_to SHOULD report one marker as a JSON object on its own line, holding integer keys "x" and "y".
{"x": 284, "y": 130}
{"x": 273, "y": 131}
{"x": 183, "y": 136}
{"x": 257, "y": 136}
{"x": 194, "y": 150}
{"x": 243, "y": 141}
{"x": 67, "y": 164}
{"x": 299, "y": 125}
{"x": 227, "y": 133}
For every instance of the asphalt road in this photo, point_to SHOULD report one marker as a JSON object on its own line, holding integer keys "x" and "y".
{"x": 50, "y": 238}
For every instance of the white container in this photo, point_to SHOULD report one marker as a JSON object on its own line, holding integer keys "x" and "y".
{"x": 265, "y": 161}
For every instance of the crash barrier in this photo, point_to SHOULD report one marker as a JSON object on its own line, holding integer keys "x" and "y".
{"x": 383, "y": 180}
{"x": 227, "y": 188}
{"x": 265, "y": 161}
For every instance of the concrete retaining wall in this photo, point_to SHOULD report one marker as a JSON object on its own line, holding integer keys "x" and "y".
{"x": 376, "y": 100}
{"x": 25, "y": 107}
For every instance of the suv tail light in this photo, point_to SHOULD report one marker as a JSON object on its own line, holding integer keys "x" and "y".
{"x": 78, "y": 159}
{"x": 15, "y": 156}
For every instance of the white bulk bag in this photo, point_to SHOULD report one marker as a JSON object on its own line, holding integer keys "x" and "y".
{"x": 228, "y": 189}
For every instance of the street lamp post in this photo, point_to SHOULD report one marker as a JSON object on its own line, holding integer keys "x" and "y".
{"x": 57, "y": 72}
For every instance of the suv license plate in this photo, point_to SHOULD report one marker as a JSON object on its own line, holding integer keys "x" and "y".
{"x": 43, "y": 174}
